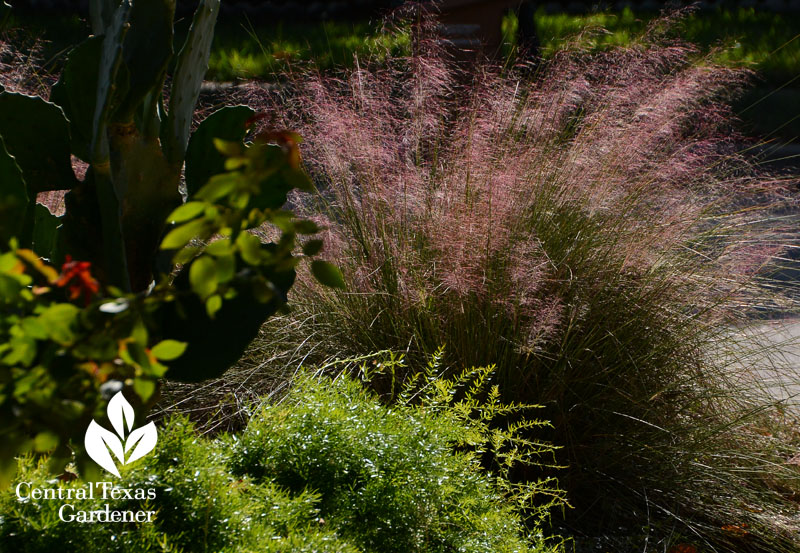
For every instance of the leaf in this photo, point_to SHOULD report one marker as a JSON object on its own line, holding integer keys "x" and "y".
{"x": 9, "y": 263}
{"x": 32, "y": 327}
{"x": 226, "y": 268}
{"x": 297, "y": 178}
{"x": 187, "y": 211}
{"x": 45, "y": 441}
{"x": 157, "y": 370}
{"x": 36, "y": 262}
{"x": 59, "y": 319}
{"x": 304, "y": 226}
{"x": 231, "y": 149}
{"x": 76, "y": 93}
{"x": 203, "y": 276}
{"x": 213, "y": 305}
{"x": 13, "y": 197}
{"x": 167, "y": 350}
{"x": 144, "y": 388}
{"x": 327, "y": 274}
{"x": 93, "y": 208}
{"x": 312, "y": 247}
{"x": 139, "y": 333}
{"x": 146, "y": 51}
{"x": 45, "y": 163}
{"x": 23, "y": 352}
{"x": 250, "y": 248}
{"x": 138, "y": 355}
{"x": 183, "y": 234}
{"x": 187, "y": 254}
{"x": 45, "y": 232}
{"x": 10, "y": 288}
{"x": 219, "y": 186}
{"x": 220, "y": 248}
{"x": 189, "y": 72}
{"x": 203, "y": 159}
{"x": 114, "y": 307}
{"x": 109, "y": 76}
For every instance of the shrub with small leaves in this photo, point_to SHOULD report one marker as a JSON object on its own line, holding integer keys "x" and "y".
{"x": 200, "y": 507}
{"x": 329, "y": 469}
{"x": 405, "y": 478}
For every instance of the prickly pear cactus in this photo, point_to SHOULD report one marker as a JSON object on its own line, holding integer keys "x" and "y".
{"x": 149, "y": 286}
{"x": 108, "y": 109}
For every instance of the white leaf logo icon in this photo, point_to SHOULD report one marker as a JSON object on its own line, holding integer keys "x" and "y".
{"x": 99, "y": 441}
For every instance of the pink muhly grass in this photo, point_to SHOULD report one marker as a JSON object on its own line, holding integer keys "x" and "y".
{"x": 21, "y": 65}
{"x": 440, "y": 180}
{"x": 590, "y": 229}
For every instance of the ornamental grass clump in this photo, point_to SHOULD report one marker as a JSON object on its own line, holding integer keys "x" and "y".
{"x": 590, "y": 229}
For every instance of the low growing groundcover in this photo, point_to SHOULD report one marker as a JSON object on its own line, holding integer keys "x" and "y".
{"x": 328, "y": 469}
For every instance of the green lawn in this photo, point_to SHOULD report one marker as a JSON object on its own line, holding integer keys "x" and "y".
{"x": 243, "y": 51}
{"x": 765, "y": 41}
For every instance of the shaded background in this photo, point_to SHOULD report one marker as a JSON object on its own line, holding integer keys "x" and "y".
{"x": 258, "y": 39}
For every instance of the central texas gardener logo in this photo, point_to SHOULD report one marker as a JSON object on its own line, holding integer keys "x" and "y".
{"x": 138, "y": 442}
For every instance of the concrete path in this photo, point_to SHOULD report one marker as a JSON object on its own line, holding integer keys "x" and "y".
{"x": 772, "y": 358}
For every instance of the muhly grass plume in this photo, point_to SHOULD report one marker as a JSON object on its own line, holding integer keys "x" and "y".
{"x": 592, "y": 230}
{"x": 21, "y": 65}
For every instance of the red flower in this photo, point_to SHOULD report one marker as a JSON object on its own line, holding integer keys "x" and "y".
{"x": 76, "y": 275}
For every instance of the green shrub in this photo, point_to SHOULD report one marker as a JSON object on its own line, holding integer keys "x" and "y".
{"x": 201, "y": 507}
{"x": 387, "y": 478}
{"x": 328, "y": 469}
